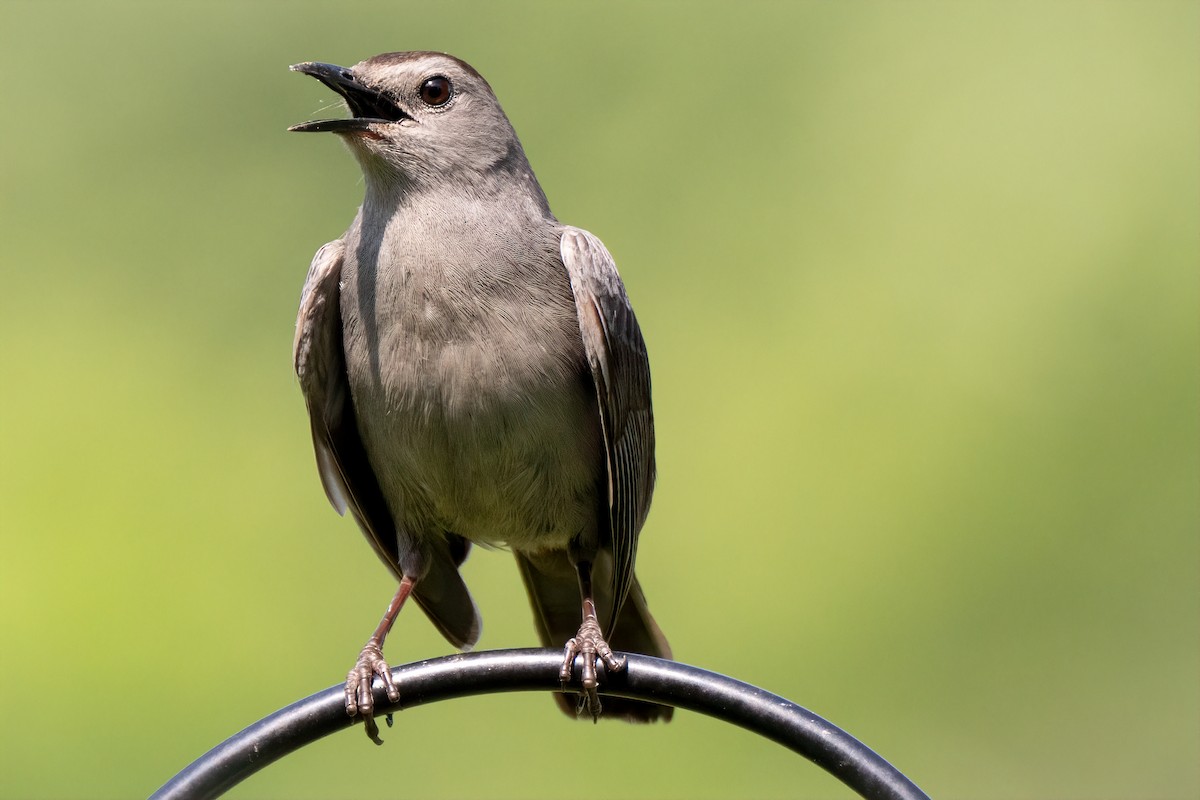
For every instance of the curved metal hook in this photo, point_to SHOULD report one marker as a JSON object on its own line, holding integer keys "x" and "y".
{"x": 644, "y": 678}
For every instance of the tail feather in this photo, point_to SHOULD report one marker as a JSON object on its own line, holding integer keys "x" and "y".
{"x": 445, "y": 599}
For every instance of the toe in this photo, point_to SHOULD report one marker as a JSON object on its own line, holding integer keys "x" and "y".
{"x": 568, "y": 665}
{"x": 366, "y": 698}
{"x": 353, "y": 681}
{"x": 385, "y": 673}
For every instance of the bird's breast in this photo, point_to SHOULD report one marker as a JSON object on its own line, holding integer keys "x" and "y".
{"x": 474, "y": 400}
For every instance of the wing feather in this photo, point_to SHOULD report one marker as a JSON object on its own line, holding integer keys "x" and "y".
{"x": 616, "y": 354}
{"x": 320, "y": 364}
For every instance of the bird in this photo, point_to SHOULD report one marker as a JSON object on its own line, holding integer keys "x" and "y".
{"x": 474, "y": 374}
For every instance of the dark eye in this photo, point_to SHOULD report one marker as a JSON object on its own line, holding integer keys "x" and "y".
{"x": 435, "y": 91}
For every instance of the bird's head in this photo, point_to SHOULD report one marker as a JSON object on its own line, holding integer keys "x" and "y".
{"x": 418, "y": 117}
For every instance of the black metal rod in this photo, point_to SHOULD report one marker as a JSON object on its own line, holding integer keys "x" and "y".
{"x": 644, "y": 678}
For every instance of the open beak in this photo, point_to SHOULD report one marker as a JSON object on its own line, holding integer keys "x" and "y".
{"x": 367, "y": 105}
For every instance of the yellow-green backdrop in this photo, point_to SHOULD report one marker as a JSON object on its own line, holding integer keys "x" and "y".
{"x": 920, "y": 285}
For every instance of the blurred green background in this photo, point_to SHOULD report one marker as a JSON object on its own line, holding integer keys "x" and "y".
{"x": 920, "y": 286}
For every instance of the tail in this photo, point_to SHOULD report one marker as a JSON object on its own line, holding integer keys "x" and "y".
{"x": 443, "y": 596}
{"x": 557, "y": 612}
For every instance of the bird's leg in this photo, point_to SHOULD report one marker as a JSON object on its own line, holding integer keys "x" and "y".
{"x": 360, "y": 682}
{"x": 588, "y": 642}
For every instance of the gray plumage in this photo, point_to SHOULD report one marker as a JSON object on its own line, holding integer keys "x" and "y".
{"x": 473, "y": 369}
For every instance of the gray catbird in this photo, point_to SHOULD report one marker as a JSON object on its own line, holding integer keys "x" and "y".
{"x": 474, "y": 373}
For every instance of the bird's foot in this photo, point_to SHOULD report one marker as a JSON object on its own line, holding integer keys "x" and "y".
{"x": 589, "y": 642}
{"x": 360, "y": 698}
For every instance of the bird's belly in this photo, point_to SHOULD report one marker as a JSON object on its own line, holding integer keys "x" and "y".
{"x": 499, "y": 444}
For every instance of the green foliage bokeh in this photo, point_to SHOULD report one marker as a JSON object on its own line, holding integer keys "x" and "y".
{"x": 919, "y": 282}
